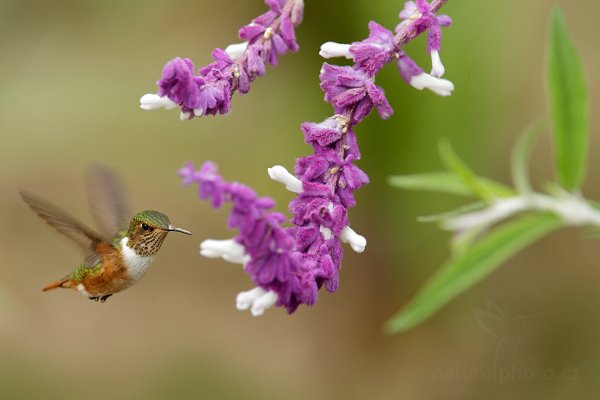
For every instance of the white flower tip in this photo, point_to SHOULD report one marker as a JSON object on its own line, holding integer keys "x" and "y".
{"x": 282, "y": 175}
{"x": 357, "y": 242}
{"x": 198, "y": 112}
{"x": 236, "y": 50}
{"x": 333, "y": 49}
{"x": 244, "y": 300}
{"x": 441, "y": 87}
{"x": 257, "y": 312}
{"x": 263, "y": 303}
{"x": 185, "y": 115}
{"x": 257, "y": 300}
{"x": 229, "y": 250}
{"x": 236, "y": 259}
{"x": 437, "y": 68}
{"x": 152, "y": 101}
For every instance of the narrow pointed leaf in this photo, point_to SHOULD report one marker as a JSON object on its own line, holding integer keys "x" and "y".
{"x": 568, "y": 105}
{"x": 453, "y": 213}
{"x": 448, "y": 182}
{"x": 520, "y": 158}
{"x": 461, "y": 272}
{"x": 464, "y": 173}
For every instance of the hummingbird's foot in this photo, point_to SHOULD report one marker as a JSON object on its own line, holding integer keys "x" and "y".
{"x": 103, "y": 298}
{"x": 96, "y": 298}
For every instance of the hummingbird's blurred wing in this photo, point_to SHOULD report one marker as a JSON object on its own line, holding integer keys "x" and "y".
{"x": 108, "y": 202}
{"x": 87, "y": 239}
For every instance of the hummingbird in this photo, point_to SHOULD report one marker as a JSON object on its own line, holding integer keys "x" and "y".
{"x": 118, "y": 257}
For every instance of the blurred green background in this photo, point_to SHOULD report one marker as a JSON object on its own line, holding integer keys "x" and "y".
{"x": 71, "y": 74}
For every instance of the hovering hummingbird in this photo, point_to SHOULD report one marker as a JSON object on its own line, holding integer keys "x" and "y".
{"x": 122, "y": 254}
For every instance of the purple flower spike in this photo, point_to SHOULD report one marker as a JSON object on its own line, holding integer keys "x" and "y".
{"x": 263, "y": 245}
{"x": 234, "y": 69}
{"x": 381, "y": 47}
{"x": 289, "y": 265}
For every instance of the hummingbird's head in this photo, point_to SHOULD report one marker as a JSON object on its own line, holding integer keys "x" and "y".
{"x": 147, "y": 231}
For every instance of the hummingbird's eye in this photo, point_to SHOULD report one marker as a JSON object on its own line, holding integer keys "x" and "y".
{"x": 145, "y": 226}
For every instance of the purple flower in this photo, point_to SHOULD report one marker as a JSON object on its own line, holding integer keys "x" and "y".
{"x": 178, "y": 83}
{"x": 373, "y": 53}
{"x": 256, "y": 65}
{"x": 197, "y": 95}
{"x": 273, "y": 46}
{"x": 351, "y": 179}
{"x": 297, "y": 12}
{"x": 276, "y": 30}
{"x": 288, "y": 33}
{"x": 221, "y": 63}
{"x": 409, "y": 11}
{"x": 290, "y": 264}
{"x": 210, "y": 184}
{"x": 381, "y": 47}
{"x": 319, "y": 212}
{"x": 209, "y": 92}
{"x": 346, "y": 87}
{"x": 421, "y": 16}
{"x": 271, "y": 264}
{"x": 418, "y": 17}
{"x": 324, "y": 133}
{"x": 276, "y": 7}
{"x": 251, "y": 32}
{"x": 214, "y": 96}
{"x": 414, "y": 75}
{"x": 408, "y": 68}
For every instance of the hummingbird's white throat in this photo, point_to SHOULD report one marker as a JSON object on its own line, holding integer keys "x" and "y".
{"x": 137, "y": 265}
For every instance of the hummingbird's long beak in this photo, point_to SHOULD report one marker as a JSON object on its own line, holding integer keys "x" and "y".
{"x": 174, "y": 229}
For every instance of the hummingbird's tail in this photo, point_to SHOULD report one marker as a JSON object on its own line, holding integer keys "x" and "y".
{"x": 63, "y": 283}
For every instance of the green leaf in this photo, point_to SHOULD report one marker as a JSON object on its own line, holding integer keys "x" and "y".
{"x": 520, "y": 157}
{"x": 453, "y": 213}
{"x": 568, "y": 105}
{"x": 447, "y": 182}
{"x": 475, "y": 185}
{"x": 461, "y": 272}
